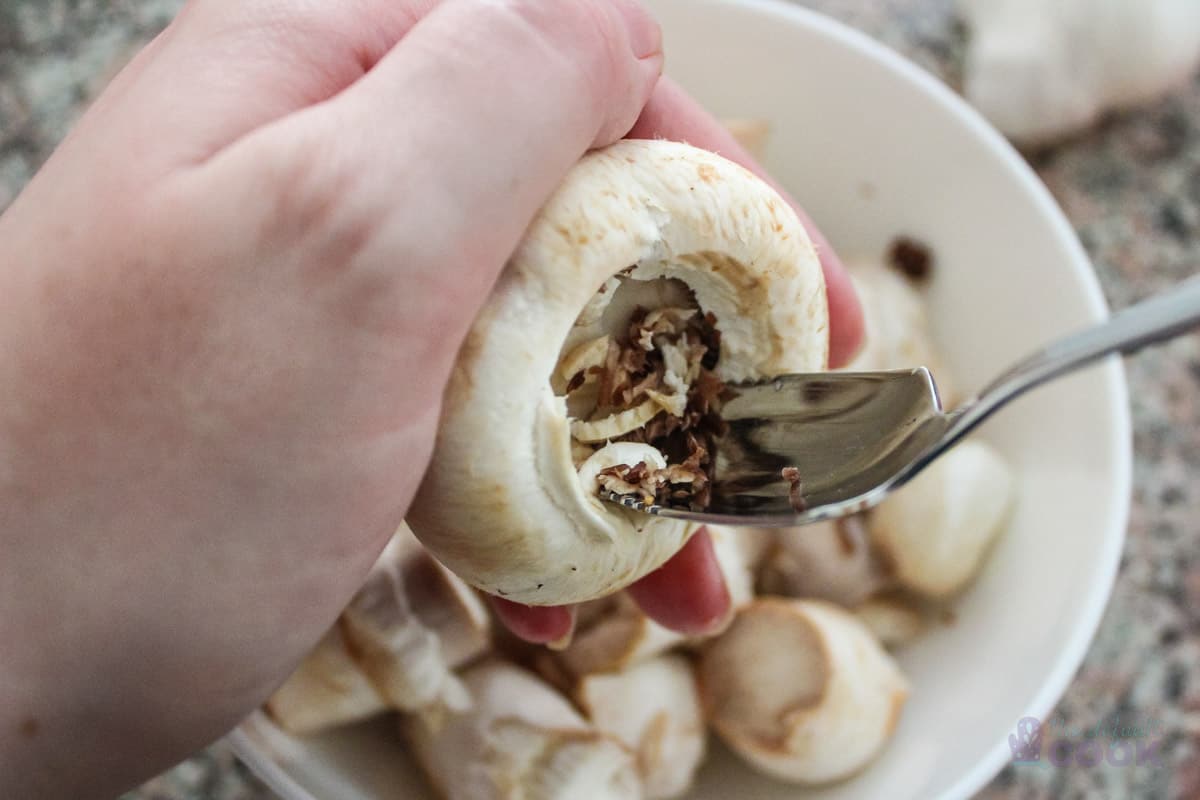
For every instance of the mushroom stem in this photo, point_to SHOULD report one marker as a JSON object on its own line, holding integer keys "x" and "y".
{"x": 394, "y": 646}
{"x": 801, "y": 690}
{"x": 521, "y": 739}
{"x": 653, "y": 708}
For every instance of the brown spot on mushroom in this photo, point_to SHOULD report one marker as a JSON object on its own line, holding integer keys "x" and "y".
{"x": 706, "y": 172}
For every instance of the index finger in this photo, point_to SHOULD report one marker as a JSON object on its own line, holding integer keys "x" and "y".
{"x": 672, "y": 114}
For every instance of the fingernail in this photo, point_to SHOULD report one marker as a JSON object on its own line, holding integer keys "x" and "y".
{"x": 645, "y": 34}
{"x": 564, "y": 641}
{"x": 717, "y": 625}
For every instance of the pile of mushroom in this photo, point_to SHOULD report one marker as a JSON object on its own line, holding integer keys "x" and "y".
{"x": 800, "y": 681}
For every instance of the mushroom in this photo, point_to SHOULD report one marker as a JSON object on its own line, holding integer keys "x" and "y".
{"x": 801, "y": 690}
{"x": 891, "y": 620}
{"x": 716, "y": 281}
{"x": 614, "y": 634}
{"x": 755, "y": 545}
{"x": 394, "y": 647}
{"x": 832, "y": 561}
{"x": 328, "y": 689}
{"x": 653, "y": 708}
{"x": 1042, "y": 71}
{"x": 936, "y": 529}
{"x": 615, "y": 640}
{"x": 897, "y": 331}
{"x": 520, "y": 739}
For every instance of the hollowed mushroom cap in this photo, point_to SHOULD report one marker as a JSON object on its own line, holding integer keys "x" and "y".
{"x": 502, "y": 504}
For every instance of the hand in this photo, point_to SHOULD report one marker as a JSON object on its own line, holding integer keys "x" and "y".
{"x": 229, "y": 304}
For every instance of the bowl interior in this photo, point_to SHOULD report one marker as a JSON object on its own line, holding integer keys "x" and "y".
{"x": 873, "y": 147}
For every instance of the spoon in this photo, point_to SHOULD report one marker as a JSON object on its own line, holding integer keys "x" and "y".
{"x": 853, "y": 438}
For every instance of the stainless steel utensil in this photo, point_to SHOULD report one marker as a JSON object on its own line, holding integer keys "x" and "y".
{"x": 856, "y": 437}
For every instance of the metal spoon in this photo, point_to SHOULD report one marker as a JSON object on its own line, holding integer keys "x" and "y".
{"x": 856, "y": 437}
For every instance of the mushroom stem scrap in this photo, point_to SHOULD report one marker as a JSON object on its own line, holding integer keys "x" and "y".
{"x": 521, "y": 739}
{"x": 393, "y": 648}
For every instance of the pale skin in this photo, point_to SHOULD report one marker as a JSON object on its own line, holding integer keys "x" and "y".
{"x": 228, "y": 306}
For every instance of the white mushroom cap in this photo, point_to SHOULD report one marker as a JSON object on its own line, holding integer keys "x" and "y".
{"x": 654, "y": 709}
{"x": 394, "y": 647}
{"x": 521, "y": 739}
{"x": 832, "y": 561}
{"x": 801, "y": 690}
{"x": 896, "y": 327}
{"x": 502, "y": 504}
{"x": 937, "y": 529}
{"x": 1041, "y": 71}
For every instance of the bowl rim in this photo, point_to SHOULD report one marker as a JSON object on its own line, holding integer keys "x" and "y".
{"x": 1109, "y": 547}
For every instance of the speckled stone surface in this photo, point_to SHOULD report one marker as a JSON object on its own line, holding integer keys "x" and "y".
{"x": 1132, "y": 190}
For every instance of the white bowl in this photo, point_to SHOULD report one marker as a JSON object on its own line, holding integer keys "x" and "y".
{"x": 872, "y": 147}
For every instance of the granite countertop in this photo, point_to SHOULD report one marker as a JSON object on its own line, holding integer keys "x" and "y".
{"x": 1130, "y": 187}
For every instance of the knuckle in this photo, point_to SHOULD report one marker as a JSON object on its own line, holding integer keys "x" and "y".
{"x": 309, "y": 200}
{"x": 586, "y": 36}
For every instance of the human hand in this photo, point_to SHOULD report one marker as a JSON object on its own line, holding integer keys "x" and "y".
{"x": 215, "y": 298}
{"x": 230, "y": 302}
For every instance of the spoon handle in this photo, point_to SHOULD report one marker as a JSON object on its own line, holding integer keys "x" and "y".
{"x": 1156, "y": 319}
